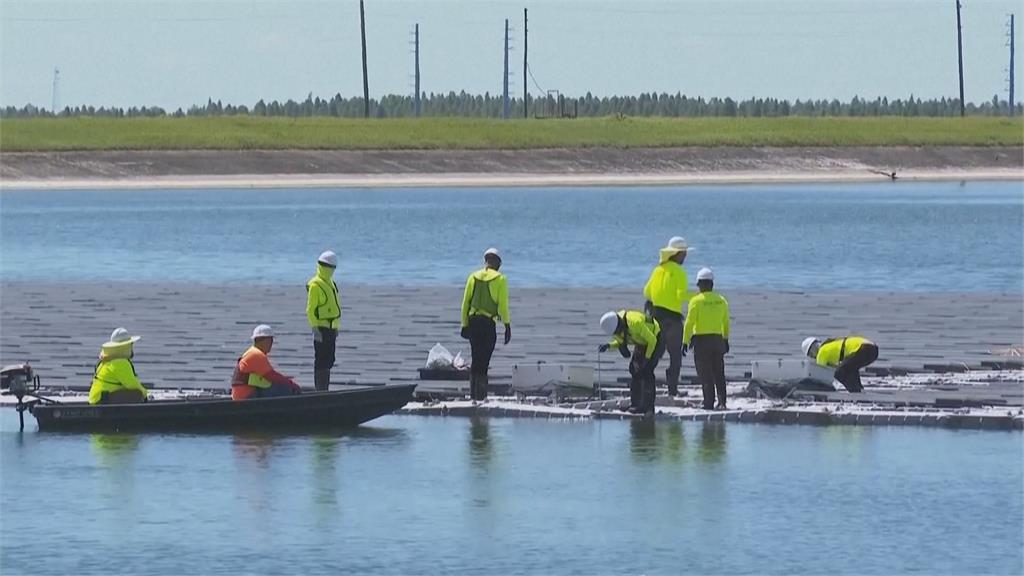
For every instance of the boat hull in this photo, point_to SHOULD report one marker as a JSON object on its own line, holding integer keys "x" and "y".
{"x": 313, "y": 410}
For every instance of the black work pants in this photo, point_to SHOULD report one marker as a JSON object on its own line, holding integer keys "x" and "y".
{"x": 641, "y": 382}
{"x": 848, "y": 372}
{"x": 323, "y": 351}
{"x": 672, "y": 342}
{"x": 709, "y": 359}
{"x": 482, "y": 338}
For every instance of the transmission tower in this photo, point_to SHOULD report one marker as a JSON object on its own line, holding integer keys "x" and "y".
{"x": 55, "y": 95}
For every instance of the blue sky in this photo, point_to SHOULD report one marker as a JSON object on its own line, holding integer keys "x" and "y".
{"x": 155, "y": 52}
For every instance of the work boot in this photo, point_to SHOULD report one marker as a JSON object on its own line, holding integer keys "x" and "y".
{"x": 321, "y": 379}
{"x": 673, "y": 390}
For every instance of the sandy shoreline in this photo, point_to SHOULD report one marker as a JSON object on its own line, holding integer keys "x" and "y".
{"x": 499, "y": 168}
{"x": 496, "y": 180}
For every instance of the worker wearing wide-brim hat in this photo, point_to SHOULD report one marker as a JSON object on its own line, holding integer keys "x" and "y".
{"x": 323, "y": 310}
{"x": 707, "y": 331}
{"x": 114, "y": 379}
{"x": 667, "y": 294}
{"x": 847, "y": 355}
{"x": 484, "y": 304}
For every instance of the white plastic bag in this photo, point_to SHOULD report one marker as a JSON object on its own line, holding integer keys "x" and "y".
{"x": 439, "y": 358}
{"x": 459, "y": 363}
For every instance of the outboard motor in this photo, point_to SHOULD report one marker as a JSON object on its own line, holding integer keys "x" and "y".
{"x": 19, "y": 380}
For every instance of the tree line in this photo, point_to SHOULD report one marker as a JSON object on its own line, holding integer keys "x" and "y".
{"x": 490, "y": 106}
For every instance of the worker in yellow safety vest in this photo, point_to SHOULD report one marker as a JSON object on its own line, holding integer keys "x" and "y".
{"x": 114, "y": 379}
{"x": 323, "y": 310}
{"x": 667, "y": 294}
{"x": 847, "y": 355}
{"x": 484, "y": 302}
{"x": 707, "y": 331}
{"x": 634, "y": 328}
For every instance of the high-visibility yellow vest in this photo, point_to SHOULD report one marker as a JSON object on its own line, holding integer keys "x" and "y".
{"x": 833, "y": 351}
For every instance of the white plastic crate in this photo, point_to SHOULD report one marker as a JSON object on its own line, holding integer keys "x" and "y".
{"x": 790, "y": 370}
{"x": 543, "y": 378}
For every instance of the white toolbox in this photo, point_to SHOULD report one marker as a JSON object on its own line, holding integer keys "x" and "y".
{"x": 543, "y": 378}
{"x": 790, "y": 370}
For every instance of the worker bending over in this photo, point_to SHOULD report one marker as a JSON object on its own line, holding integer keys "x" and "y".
{"x": 484, "y": 303}
{"x": 323, "y": 310}
{"x": 667, "y": 293}
{"x": 254, "y": 377}
{"x": 847, "y": 355}
{"x": 707, "y": 331}
{"x": 634, "y": 328}
{"x": 114, "y": 379}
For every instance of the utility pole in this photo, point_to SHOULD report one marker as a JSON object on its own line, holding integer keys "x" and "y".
{"x": 1012, "y": 103}
{"x": 525, "y": 46}
{"x": 960, "y": 55}
{"x": 504, "y": 110}
{"x": 366, "y": 82}
{"x": 55, "y": 101}
{"x": 416, "y": 100}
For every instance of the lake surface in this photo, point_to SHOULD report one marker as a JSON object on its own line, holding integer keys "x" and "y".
{"x": 953, "y": 237}
{"x": 415, "y": 495}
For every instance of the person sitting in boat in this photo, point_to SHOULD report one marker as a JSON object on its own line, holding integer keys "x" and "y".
{"x": 847, "y": 355}
{"x": 254, "y": 377}
{"x": 632, "y": 327}
{"x": 114, "y": 379}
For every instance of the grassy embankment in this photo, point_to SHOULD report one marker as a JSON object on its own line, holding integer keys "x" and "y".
{"x": 236, "y": 133}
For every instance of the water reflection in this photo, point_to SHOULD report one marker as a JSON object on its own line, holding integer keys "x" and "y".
{"x": 481, "y": 450}
{"x": 253, "y": 448}
{"x": 651, "y": 440}
{"x": 115, "y": 458}
{"x": 325, "y": 472}
{"x": 482, "y": 473}
{"x": 113, "y": 450}
{"x": 712, "y": 442}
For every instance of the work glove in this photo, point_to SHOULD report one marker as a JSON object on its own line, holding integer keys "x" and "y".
{"x": 624, "y": 351}
{"x": 726, "y": 346}
{"x": 317, "y": 336}
{"x": 603, "y": 348}
{"x": 649, "y": 310}
{"x": 508, "y": 333}
{"x": 464, "y": 332}
{"x": 686, "y": 348}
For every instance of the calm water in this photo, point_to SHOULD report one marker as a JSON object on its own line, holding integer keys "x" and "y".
{"x": 903, "y": 236}
{"x": 434, "y": 495}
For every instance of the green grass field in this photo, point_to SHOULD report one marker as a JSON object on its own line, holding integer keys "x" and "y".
{"x": 240, "y": 133}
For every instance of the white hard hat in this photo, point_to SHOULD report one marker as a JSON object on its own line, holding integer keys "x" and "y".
{"x": 609, "y": 322}
{"x": 120, "y": 337}
{"x": 807, "y": 343}
{"x": 328, "y": 258}
{"x": 705, "y": 274}
{"x": 492, "y": 252}
{"x": 262, "y": 331}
